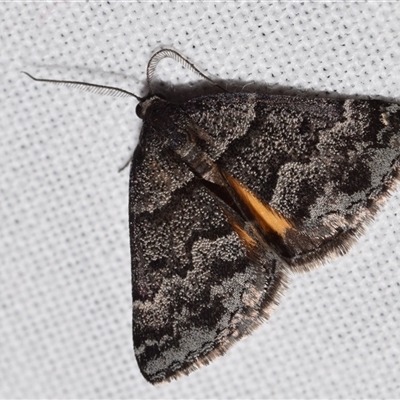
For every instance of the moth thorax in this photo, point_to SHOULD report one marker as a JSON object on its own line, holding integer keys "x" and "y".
{"x": 195, "y": 157}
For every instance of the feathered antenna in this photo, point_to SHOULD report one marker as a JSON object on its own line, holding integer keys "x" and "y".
{"x": 89, "y": 87}
{"x": 173, "y": 54}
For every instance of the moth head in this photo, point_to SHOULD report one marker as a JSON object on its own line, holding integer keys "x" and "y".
{"x": 146, "y": 102}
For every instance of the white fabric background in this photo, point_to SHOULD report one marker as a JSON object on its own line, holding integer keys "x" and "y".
{"x": 65, "y": 302}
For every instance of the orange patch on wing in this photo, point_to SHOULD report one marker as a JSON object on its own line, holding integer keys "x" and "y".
{"x": 268, "y": 218}
{"x": 246, "y": 238}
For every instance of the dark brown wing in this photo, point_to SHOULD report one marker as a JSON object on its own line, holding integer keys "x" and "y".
{"x": 324, "y": 165}
{"x": 198, "y": 284}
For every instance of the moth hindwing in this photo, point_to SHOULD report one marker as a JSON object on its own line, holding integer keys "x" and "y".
{"x": 231, "y": 193}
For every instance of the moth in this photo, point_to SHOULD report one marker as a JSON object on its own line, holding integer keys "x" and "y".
{"x": 229, "y": 195}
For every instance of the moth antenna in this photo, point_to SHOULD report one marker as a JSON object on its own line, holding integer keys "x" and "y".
{"x": 89, "y": 87}
{"x": 169, "y": 53}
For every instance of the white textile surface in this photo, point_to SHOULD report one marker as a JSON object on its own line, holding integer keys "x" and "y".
{"x": 65, "y": 296}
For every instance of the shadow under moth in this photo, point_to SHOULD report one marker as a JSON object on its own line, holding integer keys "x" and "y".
{"x": 229, "y": 195}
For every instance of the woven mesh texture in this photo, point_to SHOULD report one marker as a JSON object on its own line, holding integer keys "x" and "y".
{"x": 65, "y": 302}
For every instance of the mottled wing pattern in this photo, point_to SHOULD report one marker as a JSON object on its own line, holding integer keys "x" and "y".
{"x": 197, "y": 288}
{"x": 326, "y": 165}
{"x": 230, "y": 192}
